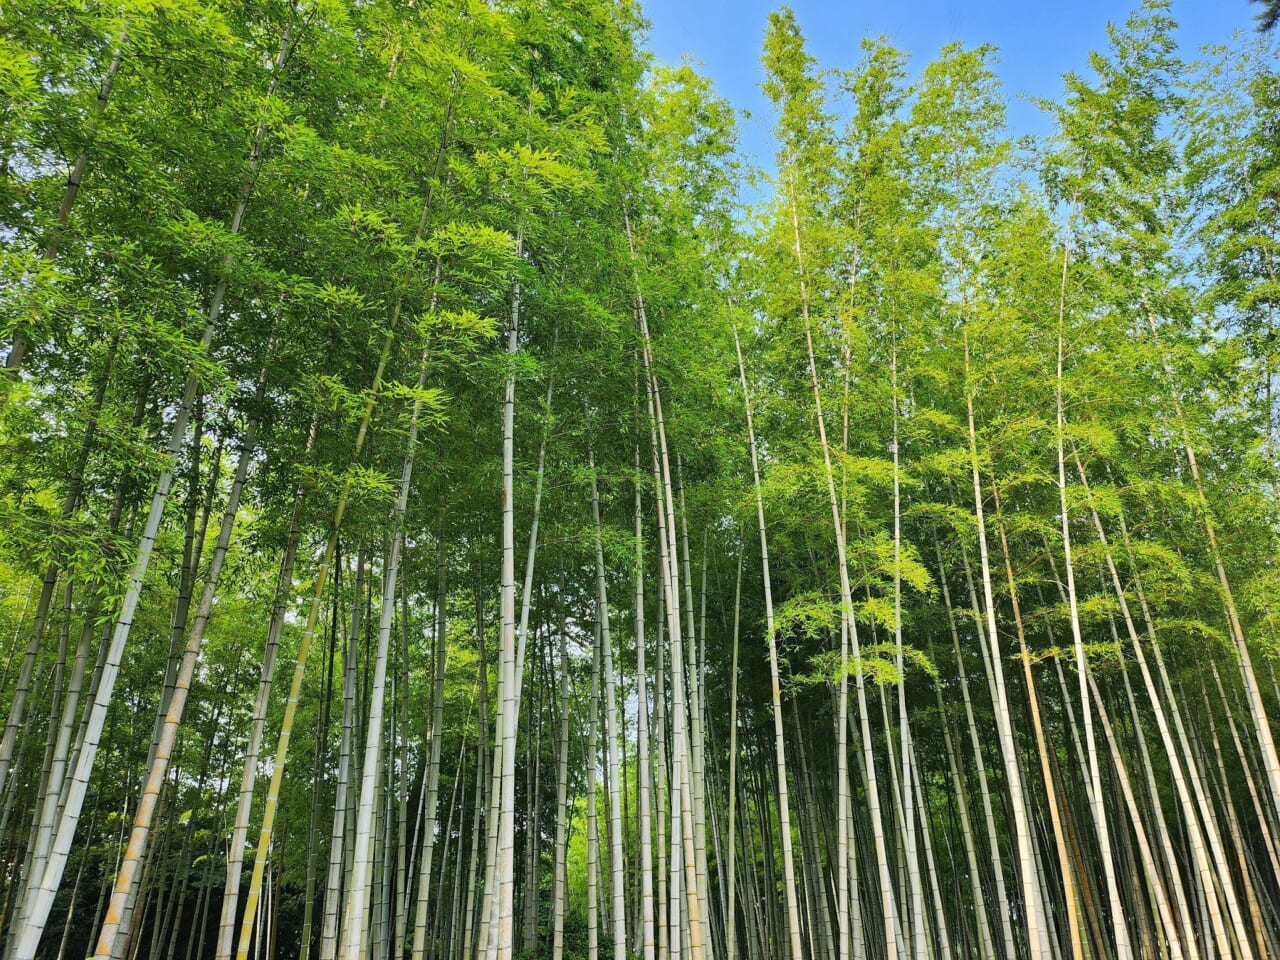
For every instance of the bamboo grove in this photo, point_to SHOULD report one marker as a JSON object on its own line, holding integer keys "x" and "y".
{"x": 455, "y": 505}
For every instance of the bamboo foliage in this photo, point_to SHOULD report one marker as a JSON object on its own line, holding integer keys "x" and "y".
{"x": 902, "y": 586}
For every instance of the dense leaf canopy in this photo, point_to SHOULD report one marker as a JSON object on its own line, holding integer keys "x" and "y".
{"x": 453, "y": 504}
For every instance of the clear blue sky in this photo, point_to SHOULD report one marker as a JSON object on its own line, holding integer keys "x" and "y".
{"x": 1038, "y": 41}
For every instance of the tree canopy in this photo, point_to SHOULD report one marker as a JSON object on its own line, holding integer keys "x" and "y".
{"x": 455, "y": 504}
